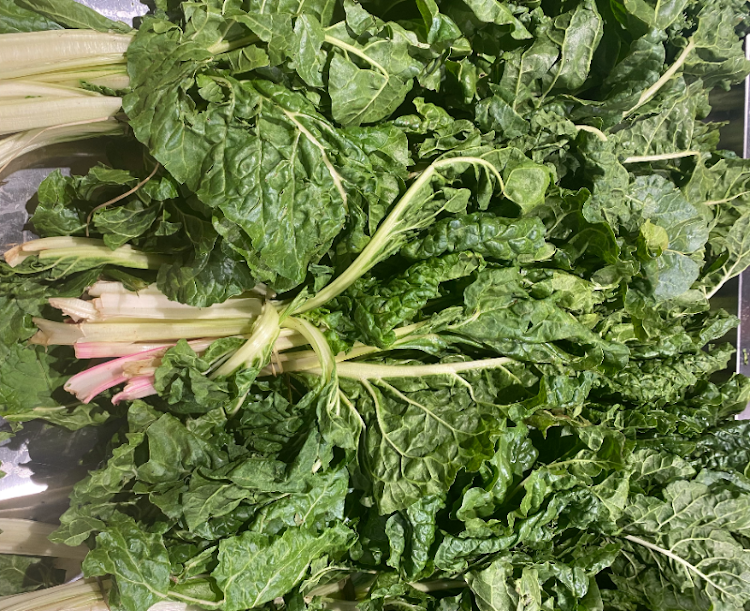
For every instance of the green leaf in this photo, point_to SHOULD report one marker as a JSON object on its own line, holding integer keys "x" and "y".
{"x": 27, "y": 573}
{"x": 640, "y": 14}
{"x": 209, "y": 499}
{"x": 310, "y": 62}
{"x": 578, "y": 33}
{"x": 455, "y": 553}
{"x": 668, "y": 125}
{"x": 28, "y": 379}
{"x": 136, "y": 558}
{"x": 723, "y": 449}
{"x": 122, "y": 224}
{"x": 719, "y": 57}
{"x": 526, "y": 184}
{"x": 500, "y": 314}
{"x": 422, "y": 529}
{"x": 492, "y": 11}
{"x": 661, "y": 381}
{"x": 640, "y": 68}
{"x": 15, "y": 19}
{"x": 254, "y": 568}
{"x": 691, "y": 533}
{"x": 656, "y": 469}
{"x": 320, "y": 504}
{"x": 72, "y": 14}
{"x": 285, "y": 217}
{"x": 204, "y": 278}
{"x": 372, "y": 92}
{"x": 66, "y": 201}
{"x": 734, "y": 247}
{"x": 485, "y": 234}
{"x": 338, "y": 420}
{"x": 440, "y": 28}
{"x": 429, "y": 433}
{"x": 492, "y": 591}
{"x": 379, "y": 309}
{"x": 79, "y": 417}
{"x": 91, "y": 497}
{"x": 657, "y": 200}
{"x": 174, "y": 452}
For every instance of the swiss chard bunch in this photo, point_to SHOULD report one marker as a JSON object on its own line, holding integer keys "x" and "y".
{"x": 411, "y": 307}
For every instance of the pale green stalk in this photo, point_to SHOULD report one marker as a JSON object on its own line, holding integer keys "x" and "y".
{"x": 317, "y": 340}
{"x": 370, "y": 371}
{"x": 388, "y": 231}
{"x": 72, "y": 249}
{"x": 664, "y": 79}
{"x": 661, "y": 157}
{"x": 256, "y": 349}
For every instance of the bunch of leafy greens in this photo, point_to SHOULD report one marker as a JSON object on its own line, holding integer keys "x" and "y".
{"x": 498, "y": 226}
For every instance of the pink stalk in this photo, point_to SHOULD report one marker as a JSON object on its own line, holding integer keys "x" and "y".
{"x": 103, "y": 350}
{"x": 142, "y": 368}
{"x": 89, "y": 383}
{"x": 136, "y": 388}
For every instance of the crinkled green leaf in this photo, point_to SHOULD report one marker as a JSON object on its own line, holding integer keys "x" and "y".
{"x": 254, "y": 568}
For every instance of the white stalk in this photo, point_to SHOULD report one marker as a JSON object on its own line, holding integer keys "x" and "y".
{"x": 125, "y": 256}
{"x": 114, "y": 77}
{"x": 17, "y": 254}
{"x": 155, "y": 305}
{"x": 592, "y": 130}
{"x": 105, "y": 286}
{"x": 77, "y": 309}
{"x": 16, "y": 145}
{"x": 89, "y": 383}
{"x": 55, "y": 333}
{"x": 112, "y": 81}
{"x": 37, "y": 52}
{"x": 37, "y": 113}
{"x": 136, "y": 388}
{"x": 20, "y": 89}
{"x": 83, "y": 595}
{"x": 82, "y": 249}
{"x": 287, "y": 340}
{"x": 140, "y": 369}
{"x": 262, "y": 290}
{"x": 69, "y": 65}
{"x": 305, "y": 360}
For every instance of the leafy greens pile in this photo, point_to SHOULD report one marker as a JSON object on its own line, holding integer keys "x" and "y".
{"x": 479, "y": 239}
